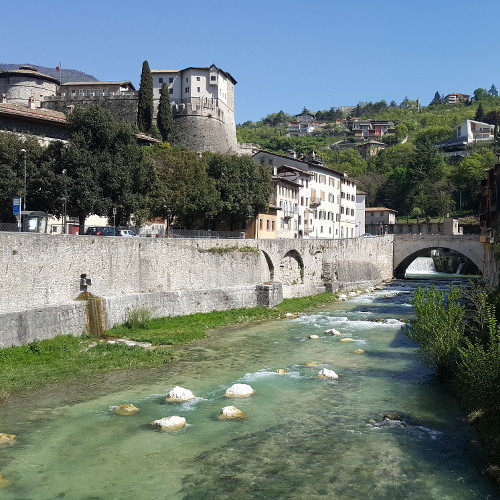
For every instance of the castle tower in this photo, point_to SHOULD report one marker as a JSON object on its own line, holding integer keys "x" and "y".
{"x": 203, "y": 107}
{"x": 26, "y": 83}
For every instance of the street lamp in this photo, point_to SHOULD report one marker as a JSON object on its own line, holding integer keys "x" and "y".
{"x": 65, "y": 200}
{"x": 25, "y": 177}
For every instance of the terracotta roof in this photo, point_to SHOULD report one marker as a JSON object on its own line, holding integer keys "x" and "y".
{"x": 117, "y": 82}
{"x": 29, "y": 72}
{"x": 379, "y": 209}
{"x": 146, "y": 138}
{"x": 35, "y": 114}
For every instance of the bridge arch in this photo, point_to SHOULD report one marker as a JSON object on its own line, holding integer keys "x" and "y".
{"x": 292, "y": 268}
{"x": 408, "y": 247}
{"x": 270, "y": 265}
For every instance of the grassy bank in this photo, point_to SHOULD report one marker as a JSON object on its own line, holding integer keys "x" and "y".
{"x": 66, "y": 358}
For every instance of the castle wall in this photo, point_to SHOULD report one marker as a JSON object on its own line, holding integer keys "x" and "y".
{"x": 123, "y": 107}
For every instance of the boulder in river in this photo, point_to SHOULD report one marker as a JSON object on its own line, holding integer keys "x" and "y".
{"x": 171, "y": 423}
{"x": 230, "y": 413}
{"x": 179, "y": 395}
{"x": 346, "y": 339}
{"x": 126, "y": 409}
{"x": 326, "y": 373}
{"x": 281, "y": 370}
{"x": 314, "y": 337}
{"x": 332, "y": 331}
{"x": 239, "y": 391}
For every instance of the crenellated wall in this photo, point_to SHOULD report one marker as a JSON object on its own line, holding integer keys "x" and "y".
{"x": 41, "y": 276}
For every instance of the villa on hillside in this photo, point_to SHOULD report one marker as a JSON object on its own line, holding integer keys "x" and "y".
{"x": 467, "y": 133}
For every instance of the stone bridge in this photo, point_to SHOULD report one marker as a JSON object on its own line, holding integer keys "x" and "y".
{"x": 408, "y": 247}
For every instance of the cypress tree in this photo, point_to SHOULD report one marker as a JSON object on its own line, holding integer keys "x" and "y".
{"x": 165, "y": 117}
{"x": 145, "y": 104}
{"x": 437, "y": 99}
{"x": 479, "y": 113}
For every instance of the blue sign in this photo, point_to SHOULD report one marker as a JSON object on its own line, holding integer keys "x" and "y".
{"x": 16, "y": 206}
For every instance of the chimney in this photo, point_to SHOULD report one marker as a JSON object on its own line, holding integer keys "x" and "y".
{"x": 4, "y": 99}
{"x": 31, "y": 103}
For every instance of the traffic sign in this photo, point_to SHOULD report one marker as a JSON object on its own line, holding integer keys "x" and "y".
{"x": 16, "y": 205}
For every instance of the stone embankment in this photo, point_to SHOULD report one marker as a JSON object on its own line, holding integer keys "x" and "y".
{"x": 42, "y": 277}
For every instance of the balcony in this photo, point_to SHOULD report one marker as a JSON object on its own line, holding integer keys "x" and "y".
{"x": 288, "y": 214}
{"x": 315, "y": 201}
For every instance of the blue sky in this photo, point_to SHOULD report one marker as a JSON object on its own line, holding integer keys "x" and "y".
{"x": 284, "y": 54}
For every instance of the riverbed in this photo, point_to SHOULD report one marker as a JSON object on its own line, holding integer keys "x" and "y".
{"x": 384, "y": 429}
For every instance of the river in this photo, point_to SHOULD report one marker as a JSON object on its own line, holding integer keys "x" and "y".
{"x": 304, "y": 438}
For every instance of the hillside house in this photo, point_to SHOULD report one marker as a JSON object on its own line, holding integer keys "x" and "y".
{"x": 456, "y": 97}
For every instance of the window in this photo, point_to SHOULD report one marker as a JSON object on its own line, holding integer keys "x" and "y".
{"x": 81, "y": 92}
{"x": 267, "y": 224}
{"x": 260, "y": 223}
{"x": 272, "y": 225}
{"x": 170, "y": 80}
{"x": 197, "y": 78}
{"x": 187, "y": 80}
{"x": 198, "y": 89}
{"x": 73, "y": 92}
{"x": 170, "y": 91}
{"x": 186, "y": 90}
{"x": 160, "y": 80}
{"x": 213, "y": 78}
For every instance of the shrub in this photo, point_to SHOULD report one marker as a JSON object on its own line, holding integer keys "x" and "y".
{"x": 438, "y": 328}
{"x": 138, "y": 318}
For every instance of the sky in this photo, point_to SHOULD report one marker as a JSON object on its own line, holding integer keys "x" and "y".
{"x": 285, "y": 55}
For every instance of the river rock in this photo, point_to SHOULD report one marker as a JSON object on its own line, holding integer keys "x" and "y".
{"x": 179, "y": 395}
{"x": 230, "y": 413}
{"x": 359, "y": 351}
{"x": 169, "y": 423}
{"x": 281, "y": 370}
{"x": 3, "y": 482}
{"x": 346, "y": 339}
{"x": 332, "y": 331}
{"x": 126, "y": 409}
{"x": 326, "y": 373}
{"x": 314, "y": 337}
{"x": 7, "y": 439}
{"x": 239, "y": 391}
{"x": 313, "y": 363}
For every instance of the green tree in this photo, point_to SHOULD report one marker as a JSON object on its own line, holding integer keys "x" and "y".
{"x": 480, "y": 94}
{"x": 165, "y": 117}
{"x": 105, "y": 167}
{"x": 493, "y": 90}
{"x": 145, "y": 107}
{"x": 244, "y": 187}
{"x": 432, "y": 135}
{"x": 479, "y": 116}
{"x": 436, "y": 100}
{"x": 349, "y": 160}
{"x": 184, "y": 190}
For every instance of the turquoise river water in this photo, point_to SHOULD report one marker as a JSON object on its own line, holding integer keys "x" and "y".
{"x": 304, "y": 438}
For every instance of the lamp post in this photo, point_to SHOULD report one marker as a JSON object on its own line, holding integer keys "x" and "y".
{"x": 65, "y": 200}
{"x": 25, "y": 178}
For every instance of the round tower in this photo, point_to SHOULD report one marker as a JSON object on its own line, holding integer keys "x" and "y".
{"x": 27, "y": 84}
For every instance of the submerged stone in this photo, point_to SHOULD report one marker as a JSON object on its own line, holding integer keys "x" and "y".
{"x": 239, "y": 391}
{"x": 171, "y": 423}
{"x": 359, "y": 351}
{"x": 126, "y": 409}
{"x": 7, "y": 439}
{"x": 179, "y": 395}
{"x": 346, "y": 339}
{"x": 281, "y": 370}
{"x": 230, "y": 413}
{"x": 3, "y": 482}
{"x": 314, "y": 337}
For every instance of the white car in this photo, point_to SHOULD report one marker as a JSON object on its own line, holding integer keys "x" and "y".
{"x": 127, "y": 233}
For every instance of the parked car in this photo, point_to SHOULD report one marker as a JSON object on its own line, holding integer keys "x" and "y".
{"x": 102, "y": 231}
{"x": 366, "y": 235}
{"x": 127, "y": 233}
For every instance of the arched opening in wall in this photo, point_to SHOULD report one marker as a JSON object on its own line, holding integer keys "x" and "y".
{"x": 292, "y": 268}
{"x": 436, "y": 262}
{"x": 270, "y": 265}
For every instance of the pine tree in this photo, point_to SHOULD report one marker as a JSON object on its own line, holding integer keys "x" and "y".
{"x": 479, "y": 113}
{"x": 165, "y": 118}
{"x": 145, "y": 104}
{"x": 493, "y": 90}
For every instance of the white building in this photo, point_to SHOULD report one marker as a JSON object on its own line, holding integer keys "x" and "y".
{"x": 195, "y": 85}
{"x": 327, "y": 198}
{"x": 474, "y": 131}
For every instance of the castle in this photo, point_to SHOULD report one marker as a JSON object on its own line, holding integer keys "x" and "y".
{"x": 202, "y": 100}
